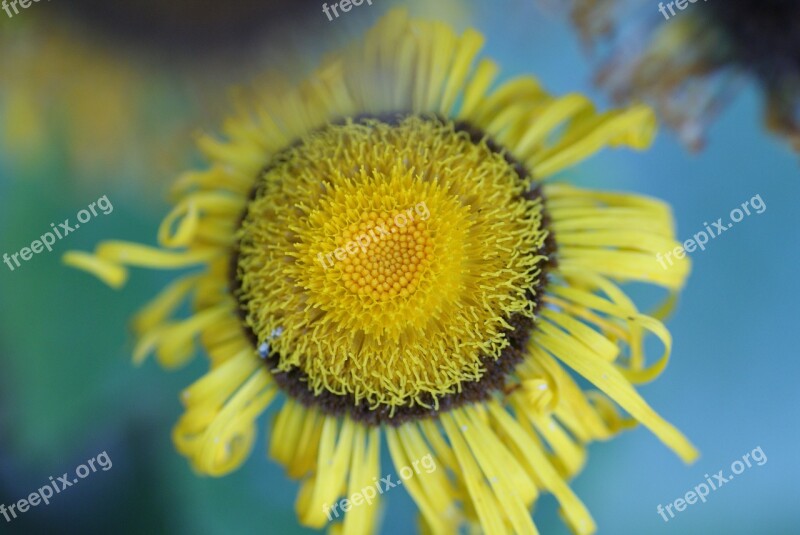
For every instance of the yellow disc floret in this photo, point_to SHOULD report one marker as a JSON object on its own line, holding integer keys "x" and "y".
{"x": 391, "y": 257}
{"x": 394, "y": 265}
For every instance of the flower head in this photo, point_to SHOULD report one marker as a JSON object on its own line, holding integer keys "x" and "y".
{"x": 379, "y": 245}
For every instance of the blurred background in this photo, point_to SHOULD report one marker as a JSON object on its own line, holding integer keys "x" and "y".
{"x": 97, "y": 100}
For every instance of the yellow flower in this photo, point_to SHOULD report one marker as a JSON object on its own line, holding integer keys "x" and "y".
{"x": 112, "y": 89}
{"x": 381, "y": 246}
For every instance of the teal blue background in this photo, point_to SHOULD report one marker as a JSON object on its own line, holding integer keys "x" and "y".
{"x": 69, "y": 392}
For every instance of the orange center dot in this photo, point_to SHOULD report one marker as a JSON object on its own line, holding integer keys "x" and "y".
{"x": 393, "y": 264}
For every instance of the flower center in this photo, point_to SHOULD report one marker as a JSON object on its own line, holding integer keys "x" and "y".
{"x": 394, "y": 263}
{"x": 399, "y": 261}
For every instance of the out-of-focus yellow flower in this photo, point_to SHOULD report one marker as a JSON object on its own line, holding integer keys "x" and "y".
{"x": 112, "y": 91}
